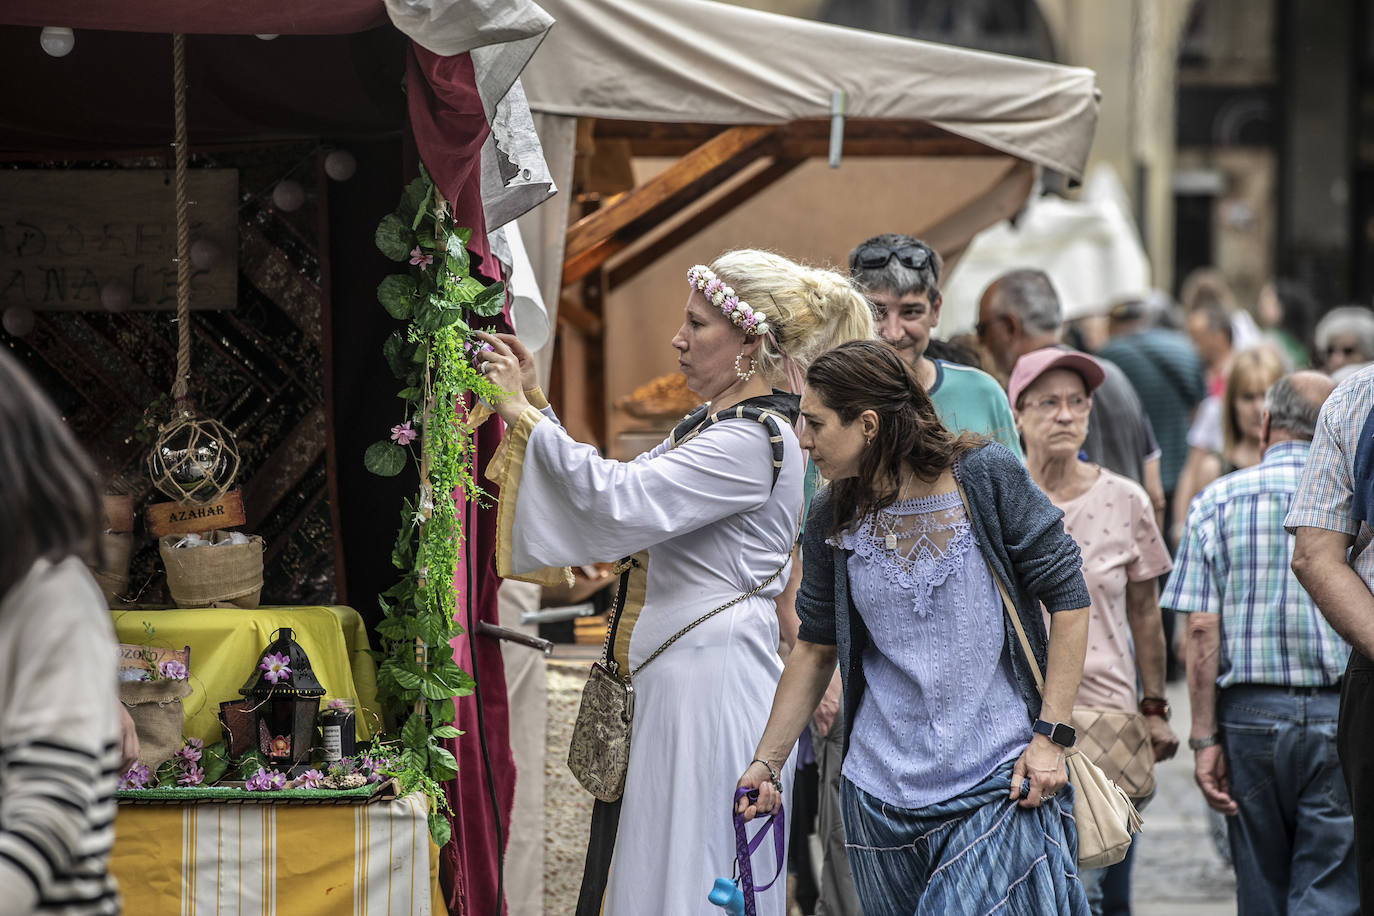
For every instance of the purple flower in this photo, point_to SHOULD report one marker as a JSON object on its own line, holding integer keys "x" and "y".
{"x": 420, "y": 259}
{"x": 403, "y": 434}
{"x": 191, "y": 775}
{"x": 310, "y": 779}
{"x": 337, "y": 703}
{"x": 265, "y": 780}
{"x": 189, "y": 753}
{"x": 277, "y": 666}
{"x": 172, "y": 670}
{"x": 135, "y": 778}
{"x": 373, "y": 767}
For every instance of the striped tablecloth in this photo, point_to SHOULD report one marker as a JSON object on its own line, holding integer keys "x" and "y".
{"x": 248, "y": 859}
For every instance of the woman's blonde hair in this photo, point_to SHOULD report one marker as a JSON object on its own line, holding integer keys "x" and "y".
{"x": 1259, "y": 365}
{"x": 810, "y": 309}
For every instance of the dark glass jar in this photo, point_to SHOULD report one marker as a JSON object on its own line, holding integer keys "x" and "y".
{"x": 338, "y": 730}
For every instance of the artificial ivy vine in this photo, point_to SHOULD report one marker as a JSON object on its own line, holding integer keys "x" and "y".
{"x": 437, "y": 299}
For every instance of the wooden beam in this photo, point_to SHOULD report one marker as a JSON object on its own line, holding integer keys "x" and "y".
{"x": 597, "y": 236}
{"x": 631, "y": 266}
{"x": 579, "y": 319}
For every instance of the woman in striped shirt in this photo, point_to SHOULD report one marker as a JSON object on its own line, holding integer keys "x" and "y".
{"x": 59, "y": 724}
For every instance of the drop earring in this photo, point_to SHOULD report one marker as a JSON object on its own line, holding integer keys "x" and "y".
{"x": 745, "y": 376}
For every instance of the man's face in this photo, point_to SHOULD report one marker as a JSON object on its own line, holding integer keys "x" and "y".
{"x": 905, "y": 322}
{"x": 997, "y": 331}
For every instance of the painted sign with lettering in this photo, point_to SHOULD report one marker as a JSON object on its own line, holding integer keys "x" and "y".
{"x": 67, "y": 233}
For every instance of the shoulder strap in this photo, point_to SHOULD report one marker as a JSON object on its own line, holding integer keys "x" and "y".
{"x": 684, "y": 433}
{"x": 1008, "y": 606}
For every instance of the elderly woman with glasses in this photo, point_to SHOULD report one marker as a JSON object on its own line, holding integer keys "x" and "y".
{"x": 1345, "y": 337}
{"x": 1113, "y": 522}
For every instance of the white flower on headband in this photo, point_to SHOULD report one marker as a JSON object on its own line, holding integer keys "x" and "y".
{"x": 704, "y": 280}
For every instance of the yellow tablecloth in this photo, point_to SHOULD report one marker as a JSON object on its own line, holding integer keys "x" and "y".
{"x": 226, "y": 643}
{"x": 242, "y": 860}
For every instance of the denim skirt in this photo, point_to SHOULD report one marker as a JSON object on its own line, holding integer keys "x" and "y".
{"x": 976, "y": 854}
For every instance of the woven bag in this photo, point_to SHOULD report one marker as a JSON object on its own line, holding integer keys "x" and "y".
{"x": 1118, "y": 741}
{"x": 155, "y": 707}
{"x": 220, "y": 575}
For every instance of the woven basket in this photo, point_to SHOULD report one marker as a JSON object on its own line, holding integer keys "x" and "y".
{"x": 222, "y": 575}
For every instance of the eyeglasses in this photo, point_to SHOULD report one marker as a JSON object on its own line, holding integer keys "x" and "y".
{"x": 871, "y": 257}
{"x": 1050, "y": 406}
{"x": 1343, "y": 351}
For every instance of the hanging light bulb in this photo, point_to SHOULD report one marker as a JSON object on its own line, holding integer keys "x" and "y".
{"x": 114, "y": 296}
{"x": 18, "y": 320}
{"x": 57, "y": 40}
{"x": 205, "y": 253}
{"x": 288, "y": 195}
{"x": 340, "y": 165}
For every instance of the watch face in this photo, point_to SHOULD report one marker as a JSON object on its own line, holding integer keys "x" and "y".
{"x": 1063, "y": 735}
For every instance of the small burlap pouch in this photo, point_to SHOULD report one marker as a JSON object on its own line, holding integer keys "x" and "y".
{"x": 155, "y": 707}
{"x": 217, "y": 575}
{"x": 112, "y": 572}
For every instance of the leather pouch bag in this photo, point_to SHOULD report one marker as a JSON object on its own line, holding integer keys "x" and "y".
{"x": 1118, "y": 741}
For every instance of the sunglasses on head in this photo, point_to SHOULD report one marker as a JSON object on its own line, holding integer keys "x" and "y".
{"x": 871, "y": 257}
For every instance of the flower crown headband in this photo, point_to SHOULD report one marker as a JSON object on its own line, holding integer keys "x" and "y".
{"x": 705, "y": 281}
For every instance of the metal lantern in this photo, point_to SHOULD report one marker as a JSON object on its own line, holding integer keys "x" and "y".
{"x": 284, "y": 698}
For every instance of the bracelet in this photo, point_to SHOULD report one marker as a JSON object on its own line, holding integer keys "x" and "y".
{"x": 1155, "y": 706}
{"x": 773, "y": 774}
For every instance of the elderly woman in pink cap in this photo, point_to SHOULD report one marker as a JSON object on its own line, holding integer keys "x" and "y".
{"x": 1120, "y": 706}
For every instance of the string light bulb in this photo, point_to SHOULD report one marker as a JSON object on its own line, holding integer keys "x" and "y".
{"x": 340, "y": 165}
{"x": 57, "y": 40}
{"x": 288, "y": 195}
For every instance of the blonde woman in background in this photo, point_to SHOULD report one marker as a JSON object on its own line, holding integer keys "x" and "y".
{"x": 1251, "y": 374}
{"x": 708, "y": 517}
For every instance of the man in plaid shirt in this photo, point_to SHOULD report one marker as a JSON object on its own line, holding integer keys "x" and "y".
{"x": 1330, "y": 516}
{"x": 1264, "y": 674}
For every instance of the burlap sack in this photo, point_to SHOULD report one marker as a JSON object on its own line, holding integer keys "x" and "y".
{"x": 155, "y": 707}
{"x": 222, "y": 575}
{"x": 112, "y": 572}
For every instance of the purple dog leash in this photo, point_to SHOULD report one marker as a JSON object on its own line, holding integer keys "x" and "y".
{"x": 744, "y": 848}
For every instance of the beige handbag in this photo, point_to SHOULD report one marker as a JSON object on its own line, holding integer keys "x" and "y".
{"x": 1118, "y": 741}
{"x": 1103, "y": 813}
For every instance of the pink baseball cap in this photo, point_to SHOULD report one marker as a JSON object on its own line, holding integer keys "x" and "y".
{"x": 1037, "y": 362}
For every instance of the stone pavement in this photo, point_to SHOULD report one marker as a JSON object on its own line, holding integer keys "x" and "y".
{"x": 1178, "y": 870}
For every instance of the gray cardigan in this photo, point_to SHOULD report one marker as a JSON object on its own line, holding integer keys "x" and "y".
{"x": 1022, "y": 537}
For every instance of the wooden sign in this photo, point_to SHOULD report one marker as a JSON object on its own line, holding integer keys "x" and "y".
{"x": 67, "y": 233}
{"x": 145, "y": 658}
{"x": 186, "y": 518}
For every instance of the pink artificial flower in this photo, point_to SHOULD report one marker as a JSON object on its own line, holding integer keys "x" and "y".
{"x": 135, "y": 778}
{"x": 420, "y": 259}
{"x": 277, "y": 666}
{"x": 336, "y": 703}
{"x": 404, "y": 434}
{"x": 265, "y": 780}
{"x": 189, "y": 754}
{"x": 310, "y": 779}
{"x": 280, "y": 746}
{"x": 192, "y": 775}
{"x": 172, "y": 670}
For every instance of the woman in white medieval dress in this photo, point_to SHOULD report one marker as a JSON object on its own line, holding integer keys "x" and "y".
{"x": 710, "y": 516}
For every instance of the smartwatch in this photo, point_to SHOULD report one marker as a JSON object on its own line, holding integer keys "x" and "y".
{"x": 1061, "y": 734}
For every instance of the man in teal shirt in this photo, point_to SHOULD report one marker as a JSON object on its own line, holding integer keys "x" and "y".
{"x": 900, "y": 276}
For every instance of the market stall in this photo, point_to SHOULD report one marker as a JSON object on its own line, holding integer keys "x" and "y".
{"x": 282, "y": 106}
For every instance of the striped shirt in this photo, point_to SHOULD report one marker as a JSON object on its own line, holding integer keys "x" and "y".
{"x": 1234, "y": 561}
{"x": 1327, "y": 491}
{"x": 59, "y": 744}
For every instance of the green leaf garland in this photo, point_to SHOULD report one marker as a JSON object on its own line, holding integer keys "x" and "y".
{"x": 437, "y": 299}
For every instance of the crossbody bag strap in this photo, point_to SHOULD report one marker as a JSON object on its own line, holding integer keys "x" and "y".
{"x": 1007, "y": 605}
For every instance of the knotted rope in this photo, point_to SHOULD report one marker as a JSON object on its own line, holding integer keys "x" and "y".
{"x": 181, "y": 384}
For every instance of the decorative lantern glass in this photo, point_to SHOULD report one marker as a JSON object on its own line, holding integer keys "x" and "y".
{"x": 284, "y": 696}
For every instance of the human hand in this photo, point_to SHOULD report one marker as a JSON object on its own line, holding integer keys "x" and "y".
{"x": 1209, "y": 769}
{"x": 529, "y": 378}
{"x": 1042, "y": 763}
{"x": 502, "y": 368}
{"x": 757, "y": 776}
{"x": 1162, "y": 738}
{"x": 128, "y": 739}
{"x": 825, "y": 713}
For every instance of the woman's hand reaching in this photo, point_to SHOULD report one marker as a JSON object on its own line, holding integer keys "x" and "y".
{"x": 504, "y": 368}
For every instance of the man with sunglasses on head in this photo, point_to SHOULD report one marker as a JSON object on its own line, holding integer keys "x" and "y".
{"x": 900, "y": 276}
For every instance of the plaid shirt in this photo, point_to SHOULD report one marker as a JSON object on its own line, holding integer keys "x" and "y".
{"x": 1326, "y": 492}
{"x": 1234, "y": 561}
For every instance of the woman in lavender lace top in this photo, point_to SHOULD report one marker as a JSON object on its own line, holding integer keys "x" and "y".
{"x": 951, "y": 802}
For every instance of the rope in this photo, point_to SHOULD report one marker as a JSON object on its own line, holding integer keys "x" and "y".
{"x": 181, "y": 384}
